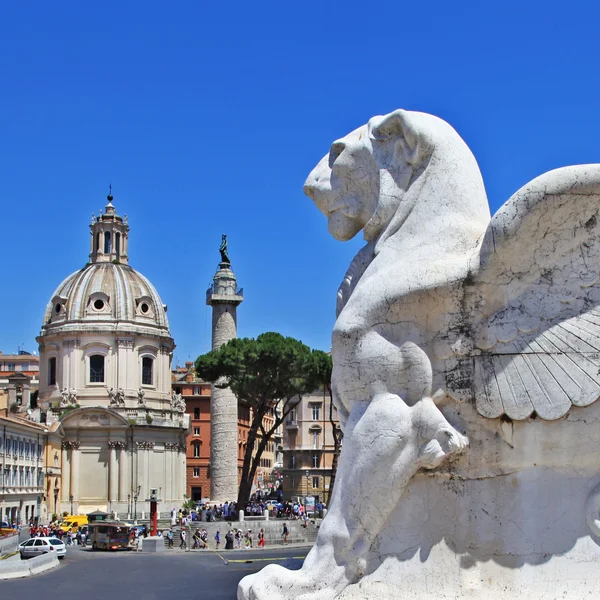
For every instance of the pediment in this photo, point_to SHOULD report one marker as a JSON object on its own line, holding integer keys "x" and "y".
{"x": 101, "y": 418}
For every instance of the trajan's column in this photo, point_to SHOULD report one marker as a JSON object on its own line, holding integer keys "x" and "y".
{"x": 224, "y": 297}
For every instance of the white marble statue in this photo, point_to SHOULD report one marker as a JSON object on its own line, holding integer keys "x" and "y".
{"x": 177, "y": 402}
{"x": 64, "y": 397}
{"x": 450, "y": 324}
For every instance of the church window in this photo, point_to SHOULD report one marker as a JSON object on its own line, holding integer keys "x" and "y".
{"x": 147, "y": 364}
{"x": 144, "y": 307}
{"x": 97, "y": 368}
{"x": 52, "y": 370}
{"x": 98, "y": 304}
{"x": 118, "y": 243}
{"x": 107, "y": 242}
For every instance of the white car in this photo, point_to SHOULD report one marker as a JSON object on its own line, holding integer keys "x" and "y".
{"x": 41, "y": 545}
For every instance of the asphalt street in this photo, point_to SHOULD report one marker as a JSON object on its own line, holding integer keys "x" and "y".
{"x": 84, "y": 573}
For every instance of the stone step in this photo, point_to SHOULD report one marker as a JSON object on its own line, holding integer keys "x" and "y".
{"x": 273, "y": 530}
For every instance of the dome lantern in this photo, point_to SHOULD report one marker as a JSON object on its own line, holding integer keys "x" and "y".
{"x": 110, "y": 236}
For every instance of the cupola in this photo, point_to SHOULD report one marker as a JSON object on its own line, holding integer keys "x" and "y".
{"x": 110, "y": 236}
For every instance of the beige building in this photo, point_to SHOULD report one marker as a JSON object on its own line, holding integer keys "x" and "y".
{"x": 22, "y": 448}
{"x": 105, "y": 374}
{"x": 308, "y": 448}
{"x": 19, "y": 373}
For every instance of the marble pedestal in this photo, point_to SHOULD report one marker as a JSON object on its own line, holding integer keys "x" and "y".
{"x": 153, "y": 544}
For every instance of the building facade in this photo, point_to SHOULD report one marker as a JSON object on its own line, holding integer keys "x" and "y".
{"x": 22, "y": 454}
{"x": 105, "y": 373}
{"x": 308, "y": 448}
{"x": 18, "y": 373}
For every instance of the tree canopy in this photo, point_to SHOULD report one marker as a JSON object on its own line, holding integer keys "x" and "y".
{"x": 268, "y": 373}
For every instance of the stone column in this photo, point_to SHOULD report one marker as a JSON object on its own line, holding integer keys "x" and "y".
{"x": 113, "y": 473}
{"x": 123, "y": 472}
{"x": 75, "y": 474}
{"x": 224, "y": 297}
{"x": 65, "y": 476}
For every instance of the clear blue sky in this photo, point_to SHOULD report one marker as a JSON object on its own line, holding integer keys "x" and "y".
{"x": 207, "y": 116}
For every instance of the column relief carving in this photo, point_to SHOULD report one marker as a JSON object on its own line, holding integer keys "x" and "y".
{"x": 117, "y": 444}
{"x": 71, "y": 445}
{"x": 145, "y": 445}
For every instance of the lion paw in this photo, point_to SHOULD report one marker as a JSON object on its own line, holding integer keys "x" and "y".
{"x": 446, "y": 441}
{"x": 277, "y": 583}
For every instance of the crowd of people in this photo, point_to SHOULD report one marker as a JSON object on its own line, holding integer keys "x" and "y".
{"x": 68, "y": 537}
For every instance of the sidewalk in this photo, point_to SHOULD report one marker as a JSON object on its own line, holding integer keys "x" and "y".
{"x": 212, "y": 547}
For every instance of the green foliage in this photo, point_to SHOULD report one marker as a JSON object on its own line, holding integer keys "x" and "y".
{"x": 269, "y": 372}
{"x": 148, "y": 418}
{"x": 266, "y": 369}
{"x": 322, "y": 365}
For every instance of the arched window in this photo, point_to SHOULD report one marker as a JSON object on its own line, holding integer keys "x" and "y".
{"x": 52, "y": 370}
{"x": 118, "y": 243}
{"x": 107, "y": 242}
{"x": 97, "y": 368}
{"x": 147, "y": 365}
{"x": 196, "y": 450}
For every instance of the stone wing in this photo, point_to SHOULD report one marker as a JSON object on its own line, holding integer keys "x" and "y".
{"x": 534, "y": 300}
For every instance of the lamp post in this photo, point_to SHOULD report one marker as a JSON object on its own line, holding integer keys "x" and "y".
{"x": 307, "y": 473}
{"x": 135, "y": 498}
{"x": 71, "y": 501}
{"x": 129, "y": 506}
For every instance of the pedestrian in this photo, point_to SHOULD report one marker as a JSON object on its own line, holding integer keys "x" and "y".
{"x": 285, "y": 533}
{"x": 238, "y": 538}
{"x": 218, "y": 539}
{"x": 182, "y": 536}
{"x": 170, "y": 538}
{"x": 261, "y": 538}
{"x": 229, "y": 540}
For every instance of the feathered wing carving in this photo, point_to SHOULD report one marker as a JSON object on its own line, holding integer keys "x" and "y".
{"x": 534, "y": 300}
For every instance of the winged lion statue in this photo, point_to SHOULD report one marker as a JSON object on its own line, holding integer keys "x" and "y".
{"x": 445, "y": 310}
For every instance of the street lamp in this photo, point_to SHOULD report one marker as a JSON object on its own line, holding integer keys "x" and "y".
{"x": 129, "y": 506}
{"x": 307, "y": 473}
{"x": 135, "y": 498}
{"x": 71, "y": 501}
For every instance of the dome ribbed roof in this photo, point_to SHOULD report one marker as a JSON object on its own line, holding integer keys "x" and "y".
{"x": 106, "y": 293}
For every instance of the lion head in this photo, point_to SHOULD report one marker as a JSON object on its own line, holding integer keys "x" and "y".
{"x": 402, "y": 169}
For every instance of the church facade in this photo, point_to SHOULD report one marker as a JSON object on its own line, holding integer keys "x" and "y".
{"x": 105, "y": 373}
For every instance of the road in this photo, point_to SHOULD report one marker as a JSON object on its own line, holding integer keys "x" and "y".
{"x": 84, "y": 573}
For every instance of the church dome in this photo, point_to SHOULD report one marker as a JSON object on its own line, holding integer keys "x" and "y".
{"x": 107, "y": 294}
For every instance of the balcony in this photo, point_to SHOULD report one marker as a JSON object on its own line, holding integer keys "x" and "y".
{"x": 291, "y": 424}
{"x": 225, "y": 295}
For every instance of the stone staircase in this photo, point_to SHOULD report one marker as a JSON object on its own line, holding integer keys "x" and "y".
{"x": 273, "y": 529}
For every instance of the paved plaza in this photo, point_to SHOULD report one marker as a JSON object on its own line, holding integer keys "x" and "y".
{"x": 174, "y": 574}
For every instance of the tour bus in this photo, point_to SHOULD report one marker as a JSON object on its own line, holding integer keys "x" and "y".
{"x": 109, "y": 535}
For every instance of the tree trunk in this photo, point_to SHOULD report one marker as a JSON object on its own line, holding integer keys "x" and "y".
{"x": 337, "y": 442}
